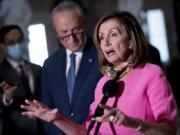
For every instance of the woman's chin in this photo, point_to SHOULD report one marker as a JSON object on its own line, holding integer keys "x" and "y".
{"x": 113, "y": 61}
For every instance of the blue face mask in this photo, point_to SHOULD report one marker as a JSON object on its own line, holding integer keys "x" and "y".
{"x": 15, "y": 51}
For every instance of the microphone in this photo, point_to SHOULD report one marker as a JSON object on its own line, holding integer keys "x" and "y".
{"x": 110, "y": 89}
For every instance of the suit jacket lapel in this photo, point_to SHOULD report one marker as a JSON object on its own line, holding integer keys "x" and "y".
{"x": 9, "y": 71}
{"x": 36, "y": 74}
{"x": 61, "y": 77}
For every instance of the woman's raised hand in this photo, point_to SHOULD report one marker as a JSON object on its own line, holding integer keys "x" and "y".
{"x": 37, "y": 109}
{"x": 113, "y": 115}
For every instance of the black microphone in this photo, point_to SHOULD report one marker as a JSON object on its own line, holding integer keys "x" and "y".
{"x": 110, "y": 89}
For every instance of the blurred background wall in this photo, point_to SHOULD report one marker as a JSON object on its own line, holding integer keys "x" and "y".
{"x": 32, "y": 15}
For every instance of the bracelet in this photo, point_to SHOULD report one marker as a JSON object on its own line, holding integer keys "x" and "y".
{"x": 140, "y": 126}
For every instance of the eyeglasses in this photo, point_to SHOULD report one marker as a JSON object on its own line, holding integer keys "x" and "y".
{"x": 64, "y": 36}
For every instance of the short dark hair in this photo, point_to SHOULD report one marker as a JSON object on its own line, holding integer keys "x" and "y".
{"x": 5, "y": 29}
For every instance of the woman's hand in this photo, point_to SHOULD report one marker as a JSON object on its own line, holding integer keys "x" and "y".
{"x": 117, "y": 117}
{"x": 35, "y": 109}
{"x": 39, "y": 110}
{"x": 113, "y": 115}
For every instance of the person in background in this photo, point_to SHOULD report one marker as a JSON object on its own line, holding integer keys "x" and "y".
{"x": 172, "y": 73}
{"x": 144, "y": 103}
{"x": 70, "y": 75}
{"x": 19, "y": 80}
{"x": 154, "y": 55}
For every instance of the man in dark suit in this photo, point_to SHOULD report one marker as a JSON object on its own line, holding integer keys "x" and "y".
{"x": 72, "y": 98}
{"x": 19, "y": 80}
{"x": 154, "y": 55}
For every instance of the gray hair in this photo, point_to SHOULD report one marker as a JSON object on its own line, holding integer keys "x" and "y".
{"x": 69, "y": 5}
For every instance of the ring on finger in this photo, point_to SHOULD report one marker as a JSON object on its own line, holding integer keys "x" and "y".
{"x": 111, "y": 118}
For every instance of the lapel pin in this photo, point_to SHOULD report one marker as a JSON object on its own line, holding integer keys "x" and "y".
{"x": 90, "y": 60}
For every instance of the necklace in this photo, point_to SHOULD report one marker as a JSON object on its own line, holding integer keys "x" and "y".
{"x": 124, "y": 73}
{"x": 113, "y": 72}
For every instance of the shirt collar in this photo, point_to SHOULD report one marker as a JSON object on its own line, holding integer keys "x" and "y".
{"x": 15, "y": 64}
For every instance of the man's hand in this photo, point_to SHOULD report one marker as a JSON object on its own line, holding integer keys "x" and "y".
{"x": 8, "y": 90}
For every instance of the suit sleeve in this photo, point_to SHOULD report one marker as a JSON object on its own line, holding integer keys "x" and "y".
{"x": 45, "y": 99}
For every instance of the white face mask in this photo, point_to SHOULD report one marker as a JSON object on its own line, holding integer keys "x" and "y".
{"x": 15, "y": 51}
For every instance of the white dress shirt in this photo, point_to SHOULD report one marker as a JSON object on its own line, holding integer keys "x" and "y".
{"x": 77, "y": 58}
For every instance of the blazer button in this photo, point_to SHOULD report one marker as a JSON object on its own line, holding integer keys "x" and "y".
{"x": 71, "y": 114}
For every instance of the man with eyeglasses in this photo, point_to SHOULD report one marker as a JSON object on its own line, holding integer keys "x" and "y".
{"x": 70, "y": 75}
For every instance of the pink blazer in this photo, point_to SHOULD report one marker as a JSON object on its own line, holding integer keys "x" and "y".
{"x": 146, "y": 95}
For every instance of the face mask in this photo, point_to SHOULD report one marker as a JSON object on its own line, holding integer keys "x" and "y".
{"x": 15, "y": 51}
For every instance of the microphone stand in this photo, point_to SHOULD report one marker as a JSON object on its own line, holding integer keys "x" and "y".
{"x": 90, "y": 127}
{"x": 97, "y": 128}
{"x": 114, "y": 75}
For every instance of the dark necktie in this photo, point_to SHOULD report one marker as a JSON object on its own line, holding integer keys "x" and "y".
{"x": 71, "y": 75}
{"x": 25, "y": 80}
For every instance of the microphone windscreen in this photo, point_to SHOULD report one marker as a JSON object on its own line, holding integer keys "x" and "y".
{"x": 110, "y": 88}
